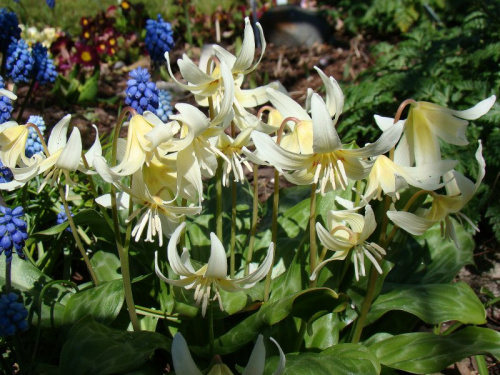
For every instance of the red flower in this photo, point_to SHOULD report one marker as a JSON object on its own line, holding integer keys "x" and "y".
{"x": 86, "y": 55}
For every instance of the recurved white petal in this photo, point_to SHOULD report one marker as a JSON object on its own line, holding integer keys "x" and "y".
{"x": 477, "y": 111}
{"x": 217, "y": 263}
{"x": 370, "y": 224}
{"x": 410, "y": 222}
{"x": 174, "y": 259}
{"x": 259, "y": 273}
{"x": 271, "y": 152}
{"x": 8, "y": 94}
{"x": 334, "y": 95}
{"x": 385, "y": 142}
{"x": 181, "y": 356}
{"x": 245, "y": 58}
{"x": 325, "y": 137}
{"x": 331, "y": 242}
{"x": 95, "y": 150}
{"x": 257, "y": 359}
{"x": 286, "y": 105}
{"x": 72, "y": 153}
{"x": 57, "y": 139}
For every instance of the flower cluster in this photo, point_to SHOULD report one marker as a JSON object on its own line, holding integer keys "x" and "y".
{"x": 33, "y": 35}
{"x": 141, "y": 93}
{"x": 13, "y": 315}
{"x": 159, "y": 38}
{"x": 5, "y": 104}
{"x": 5, "y": 174}
{"x": 33, "y": 143}
{"x": 20, "y": 62}
{"x": 13, "y": 232}
{"x": 9, "y": 28}
{"x": 44, "y": 69}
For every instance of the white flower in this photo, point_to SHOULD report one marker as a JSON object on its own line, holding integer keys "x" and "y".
{"x": 184, "y": 364}
{"x": 327, "y": 164}
{"x": 349, "y": 231}
{"x": 426, "y": 123}
{"x": 211, "y": 276}
{"x": 460, "y": 191}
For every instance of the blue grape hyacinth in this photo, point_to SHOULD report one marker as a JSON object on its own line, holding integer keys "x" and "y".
{"x": 20, "y": 62}
{"x": 51, "y": 3}
{"x": 9, "y": 28}
{"x": 5, "y": 105}
{"x": 142, "y": 94}
{"x": 164, "y": 110}
{"x": 44, "y": 70}
{"x": 13, "y": 315}
{"x": 33, "y": 143}
{"x": 5, "y": 174}
{"x": 159, "y": 38}
{"x": 13, "y": 232}
{"x": 62, "y": 217}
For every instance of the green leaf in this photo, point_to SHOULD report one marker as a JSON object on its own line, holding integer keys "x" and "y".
{"x": 309, "y": 305}
{"x": 97, "y": 224}
{"x": 431, "y": 259}
{"x": 30, "y": 281}
{"x": 88, "y": 91}
{"x": 56, "y": 229}
{"x": 433, "y": 304}
{"x": 102, "y": 302}
{"x": 339, "y": 359}
{"x": 424, "y": 353}
{"x": 106, "y": 266}
{"x": 93, "y": 348}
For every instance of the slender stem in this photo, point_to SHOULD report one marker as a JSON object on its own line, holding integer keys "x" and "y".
{"x": 8, "y": 277}
{"x": 232, "y": 261}
{"x": 218, "y": 199}
{"x": 189, "y": 35}
{"x": 78, "y": 241}
{"x": 276, "y": 199}
{"x": 401, "y": 108}
{"x": 26, "y": 100}
{"x": 365, "y": 307}
{"x": 255, "y": 217}
{"x": 482, "y": 368}
{"x": 155, "y": 313}
{"x": 123, "y": 250}
{"x": 313, "y": 249}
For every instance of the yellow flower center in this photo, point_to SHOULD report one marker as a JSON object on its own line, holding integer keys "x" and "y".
{"x": 86, "y": 56}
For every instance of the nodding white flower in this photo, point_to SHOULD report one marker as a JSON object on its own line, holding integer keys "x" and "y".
{"x": 184, "y": 364}
{"x": 390, "y": 178}
{"x": 157, "y": 210}
{"x": 233, "y": 150}
{"x": 145, "y": 133}
{"x": 347, "y": 232}
{"x": 223, "y": 82}
{"x": 328, "y": 164}
{"x": 211, "y": 276}
{"x": 459, "y": 191}
{"x": 426, "y": 123}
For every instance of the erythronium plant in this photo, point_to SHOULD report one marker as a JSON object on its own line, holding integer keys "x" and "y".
{"x": 298, "y": 272}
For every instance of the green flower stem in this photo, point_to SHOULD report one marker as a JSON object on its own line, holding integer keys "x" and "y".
{"x": 78, "y": 241}
{"x": 123, "y": 250}
{"x": 274, "y": 230}
{"x": 313, "y": 249}
{"x": 141, "y": 310}
{"x": 255, "y": 213}
{"x": 26, "y": 101}
{"x": 218, "y": 199}
{"x": 189, "y": 35}
{"x": 8, "y": 277}
{"x": 365, "y": 307}
{"x": 232, "y": 256}
{"x": 482, "y": 368}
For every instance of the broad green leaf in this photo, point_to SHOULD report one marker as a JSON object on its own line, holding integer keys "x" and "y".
{"x": 323, "y": 332}
{"x": 106, "y": 266}
{"x": 431, "y": 259}
{"x": 424, "y": 353}
{"x": 56, "y": 229}
{"x": 30, "y": 281}
{"x": 338, "y": 360}
{"x": 97, "y": 224}
{"x": 102, "y": 302}
{"x": 92, "y": 348}
{"x": 309, "y": 305}
{"x": 88, "y": 91}
{"x": 433, "y": 303}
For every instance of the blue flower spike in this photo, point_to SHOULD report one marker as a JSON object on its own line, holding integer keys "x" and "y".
{"x": 141, "y": 93}
{"x": 44, "y": 69}
{"x": 33, "y": 143}
{"x": 13, "y": 315}
{"x": 62, "y": 217}
{"x": 9, "y": 28}
{"x": 159, "y": 38}
{"x": 13, "y": 232}
{"x": 5, "y": 105}
{"x": 20, "y": 62}
{"x": 165, "y": 109}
